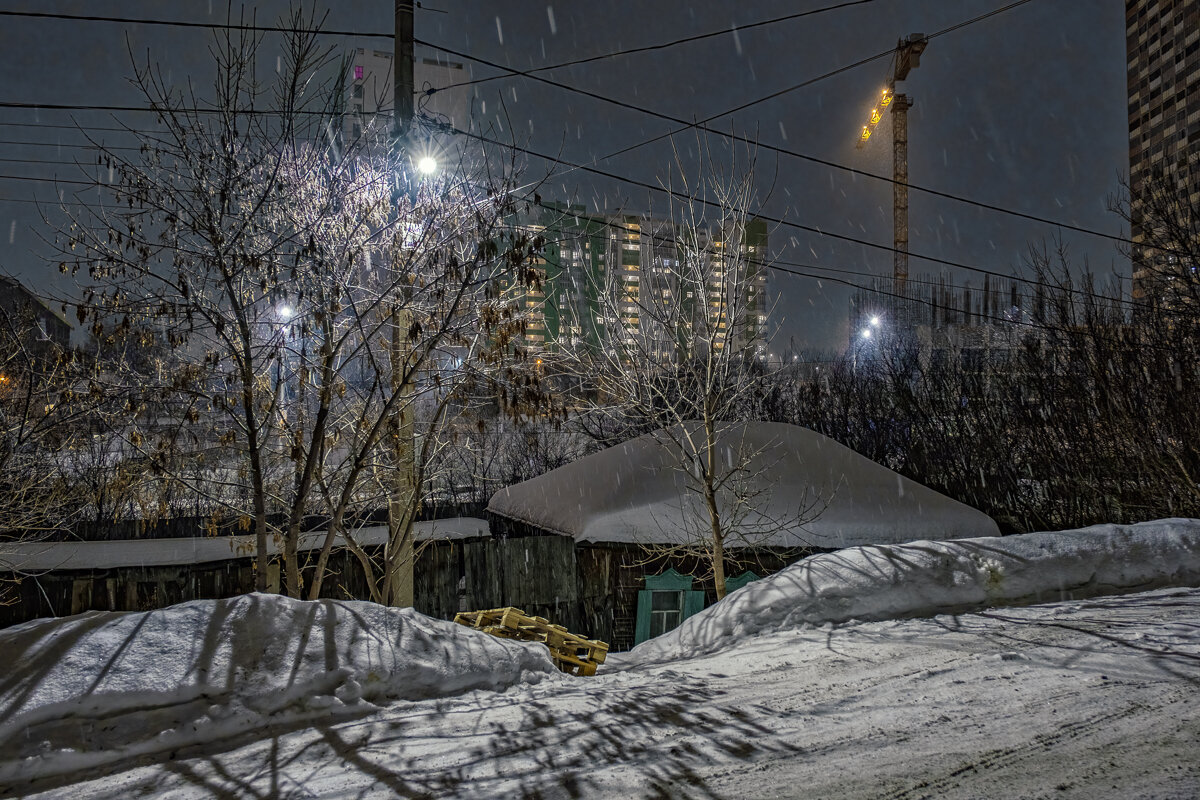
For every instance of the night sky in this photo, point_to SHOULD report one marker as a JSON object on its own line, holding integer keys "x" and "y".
{"x": 1025, "y": 110}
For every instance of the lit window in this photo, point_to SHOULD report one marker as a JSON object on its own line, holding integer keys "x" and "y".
{"x": 358, "y": 73}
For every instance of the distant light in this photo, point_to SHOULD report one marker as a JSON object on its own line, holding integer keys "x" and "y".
{"x": 874, "y": 322}
{"x": 427, "y": 165}
{"x": 285, "y": 313}
{"x": 866, "y": 333}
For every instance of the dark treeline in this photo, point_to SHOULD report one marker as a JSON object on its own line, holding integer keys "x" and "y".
{"x": 1080, "y": 411}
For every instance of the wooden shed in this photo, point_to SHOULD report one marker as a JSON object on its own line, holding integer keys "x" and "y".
{"x": 624, "y": 508}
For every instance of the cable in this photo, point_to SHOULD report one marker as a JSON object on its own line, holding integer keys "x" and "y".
{"x": 170, "y": 110}
{"x": 49, "y": 180}
{"x": 276, "y": 29}
{"x": 776, "y": 220}
{"x": 654, "y": 237}
{"x": 96, "y": 147}
{"x": 184, "y": 24}
{"x": 78, "y": 128}
{"x": 664, "y": 45}
{"x": 794, "y": 153}
{"x": 685, "y": 125}
{"x": 783, "y": 266}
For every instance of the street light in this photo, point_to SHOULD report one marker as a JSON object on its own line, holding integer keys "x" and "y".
{"x": 427, "y": 165}
{"x": 875, "y": 322}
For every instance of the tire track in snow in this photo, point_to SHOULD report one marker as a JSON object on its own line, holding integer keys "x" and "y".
{"x": 1040, "y": 744}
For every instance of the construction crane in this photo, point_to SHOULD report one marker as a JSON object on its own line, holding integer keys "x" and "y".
{"x": 908, "y": 57}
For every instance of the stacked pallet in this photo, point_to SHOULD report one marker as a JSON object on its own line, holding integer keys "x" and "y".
{"x": 573, "y": 654}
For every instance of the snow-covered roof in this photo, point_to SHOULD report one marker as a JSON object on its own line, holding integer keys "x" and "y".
{"x": 807, "y": 490}
{"x": 34, "y": 556}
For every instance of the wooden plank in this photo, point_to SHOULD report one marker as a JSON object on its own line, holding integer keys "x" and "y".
{"x": 482, "y": 573}
{"x": 572, "y": 654}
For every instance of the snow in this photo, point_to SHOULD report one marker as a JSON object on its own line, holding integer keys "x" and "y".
{"x": 1092, "y": 700}
{"x": 99, "y": 688}
{"x": 785, "y": 688}
{"x": 808, "y": 491}
{"x": 33, "y": 556}
{"x": 928, "y": 578}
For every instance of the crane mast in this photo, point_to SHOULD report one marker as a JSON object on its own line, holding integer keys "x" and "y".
{"x": 908, "y": 57}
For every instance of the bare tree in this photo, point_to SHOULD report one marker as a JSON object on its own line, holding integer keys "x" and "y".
{"x": 677, "y": 350}
{"x": 46, "y": 414}
{"x": 275, "y": 260}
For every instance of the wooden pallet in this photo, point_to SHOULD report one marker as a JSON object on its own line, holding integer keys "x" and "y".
{"x": 572, "y": 654}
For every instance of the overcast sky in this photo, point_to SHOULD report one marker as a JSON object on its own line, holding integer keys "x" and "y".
{"x": 1025, "y": 110}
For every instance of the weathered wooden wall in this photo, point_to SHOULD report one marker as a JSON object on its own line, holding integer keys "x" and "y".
{"x": 590, "y": 588}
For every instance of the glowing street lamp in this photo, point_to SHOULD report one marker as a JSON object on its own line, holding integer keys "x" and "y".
{"x": 874, "y": 322}
{"x": 427, "y": 165}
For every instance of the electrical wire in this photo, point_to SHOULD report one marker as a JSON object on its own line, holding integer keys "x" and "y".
{"x": 796, "y": 269}
{"x": 700, "y": 124}
{"x": 185, "y": 24}
{"x": 735, "y": 29}
{"x": 775, "y": 220}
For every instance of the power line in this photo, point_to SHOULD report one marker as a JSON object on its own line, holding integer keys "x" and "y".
{"x": 77, "y": 128}
{"x": 733, "y": 30}
{"x": 46, "y": 161}
{"x": 665, "y": 239}
{"x": 185, "y": 24}
{"x": 50, "y": 180}
{"x": 160, "y": 111}
{"x": 701, "y": 124}
{"x": 776, "y": 220}
{"x": 97, "y": 147}
{"x": 786, "y": 267}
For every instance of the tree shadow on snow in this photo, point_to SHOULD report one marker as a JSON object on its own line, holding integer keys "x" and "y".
{"x": 555, "y": 744}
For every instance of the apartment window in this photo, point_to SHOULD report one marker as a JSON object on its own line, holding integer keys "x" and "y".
{"x": 358, "y": 73}
{"x": 358, "y": 91}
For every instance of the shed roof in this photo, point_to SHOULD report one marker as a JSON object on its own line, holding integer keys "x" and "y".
{"x": 805, "y": 490}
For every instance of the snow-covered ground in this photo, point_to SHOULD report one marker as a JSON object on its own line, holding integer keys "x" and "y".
{"x": 1088, "y": 698}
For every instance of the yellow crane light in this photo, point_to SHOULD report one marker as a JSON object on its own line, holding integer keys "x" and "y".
{"x": 885, "y": 100}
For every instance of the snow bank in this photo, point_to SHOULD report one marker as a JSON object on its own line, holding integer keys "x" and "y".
{"x": 88, "y": 690}
{"x": 927, "y": 578}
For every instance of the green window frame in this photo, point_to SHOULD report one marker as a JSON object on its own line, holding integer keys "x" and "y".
{"x": 738, "y": 581}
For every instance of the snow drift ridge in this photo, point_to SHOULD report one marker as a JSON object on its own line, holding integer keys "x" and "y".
{"x": 107, "y": 686}
{"x": 927, "y": 578}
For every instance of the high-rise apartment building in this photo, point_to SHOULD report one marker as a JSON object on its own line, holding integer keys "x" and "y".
{"x": 370, "y": 97}
{"x": 619, "y": 276}
{"x": 1163, "y": 60}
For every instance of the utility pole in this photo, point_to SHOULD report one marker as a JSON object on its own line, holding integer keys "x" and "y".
{"x": 402, "y": 498}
